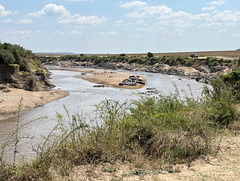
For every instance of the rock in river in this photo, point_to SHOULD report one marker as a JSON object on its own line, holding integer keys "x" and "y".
{"x": 132, "y": 81}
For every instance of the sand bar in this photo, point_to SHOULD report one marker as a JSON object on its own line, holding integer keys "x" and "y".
{"x": 107, "y": 78}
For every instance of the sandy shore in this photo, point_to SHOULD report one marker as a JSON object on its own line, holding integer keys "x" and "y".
{"x": 107, "y": 78}
{"x": 9, "y": 101}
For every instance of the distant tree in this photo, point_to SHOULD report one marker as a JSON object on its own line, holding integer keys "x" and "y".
{"x": 122, "y": 55}
{"x": 193, "y": 55}
{"x": 149, "y": 54}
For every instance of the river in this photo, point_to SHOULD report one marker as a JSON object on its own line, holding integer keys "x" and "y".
{"x": 82, "y": 98}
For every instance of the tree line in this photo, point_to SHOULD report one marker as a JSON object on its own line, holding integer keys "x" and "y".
{"x": 150, "y": 59}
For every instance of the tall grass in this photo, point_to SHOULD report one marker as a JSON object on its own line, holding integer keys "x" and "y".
{"x": 164, "y": 129}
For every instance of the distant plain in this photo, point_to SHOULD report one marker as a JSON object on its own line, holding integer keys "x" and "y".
{"x": 220, "y": 54}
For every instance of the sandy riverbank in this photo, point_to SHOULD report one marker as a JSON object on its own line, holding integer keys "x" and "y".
{"x": 9, "y": 101}
{"x": 107, "y": 78}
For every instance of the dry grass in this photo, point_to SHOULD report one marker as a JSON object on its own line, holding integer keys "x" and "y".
{"x": 232, "y": 54}
{"x": 225, "y": 166}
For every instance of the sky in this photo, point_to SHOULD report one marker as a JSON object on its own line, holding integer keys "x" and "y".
{"x": 121, "y": 26}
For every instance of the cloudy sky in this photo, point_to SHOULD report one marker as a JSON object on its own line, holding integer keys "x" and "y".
{"x": 121, "y": 26}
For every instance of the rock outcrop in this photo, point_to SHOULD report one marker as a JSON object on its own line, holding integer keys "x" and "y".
{"x": 26, "y": 75}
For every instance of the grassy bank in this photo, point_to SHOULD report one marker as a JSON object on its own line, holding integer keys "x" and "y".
{"x": 158, "y": 131}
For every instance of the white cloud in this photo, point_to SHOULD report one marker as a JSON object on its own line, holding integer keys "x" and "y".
{"x": 59, "y": 33}
{"x": 164, "y": 17}
{"x": 142, "y": 9}
{"x": 133, "y": 4}
{"x": 51, "y": 10}
{"x": 109, "y": 33}
{"x": 208, "y": 8}
{"x": 220, "y": 2}
{"x": 119, "y": 22}
{"x": 17, "y": 32}
{"x": 65, "y": 17}
{"x": 83, "y": 20}
{"x": 222, "y": 31}
{"x": 8, "y": 20}
{"x": 226, "y": 16}
{"x": 75, "y": 32}
{"x": 4, "y": 12}
{"x": 161, "y": 10}
{"x": 210, "y": 24}
{"x": 26, "y": 21}
{"x": 78, "y": 0}
{"x": 178, "y": 32}
{"x": 140, "y": 22}
{"x": 136, "y": 14}
{"x": 151, "y": 11}
{"x": 150, "y": 29}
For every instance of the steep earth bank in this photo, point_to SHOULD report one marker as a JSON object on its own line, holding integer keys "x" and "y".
{"x": 27, "y": 75}
{"x": 27, "y": 81}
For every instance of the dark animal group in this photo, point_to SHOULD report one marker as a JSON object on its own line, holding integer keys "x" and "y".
{"x": 132, "y": 81}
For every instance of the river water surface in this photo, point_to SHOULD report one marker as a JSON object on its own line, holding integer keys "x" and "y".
{"x": 82, "y": 98}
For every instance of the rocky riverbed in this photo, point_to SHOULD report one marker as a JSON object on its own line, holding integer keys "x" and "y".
{"x": 199, "y": 73}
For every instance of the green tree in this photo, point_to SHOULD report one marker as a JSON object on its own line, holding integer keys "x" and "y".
{"x": 17, "y": 51}
{"x": 232, "y": 81}
{"x": 149, "y": 54}
{"x": 6, "y": 57}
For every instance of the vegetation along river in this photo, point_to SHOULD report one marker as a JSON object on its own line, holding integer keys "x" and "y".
{"x": 81, "y": 100}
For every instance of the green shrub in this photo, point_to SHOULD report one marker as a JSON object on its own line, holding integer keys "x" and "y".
{"x": 24, "y": 73}
{"x": 6, "y": 57}
{"x": 11, "y": 53}
{"x": 219, "y": 101}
